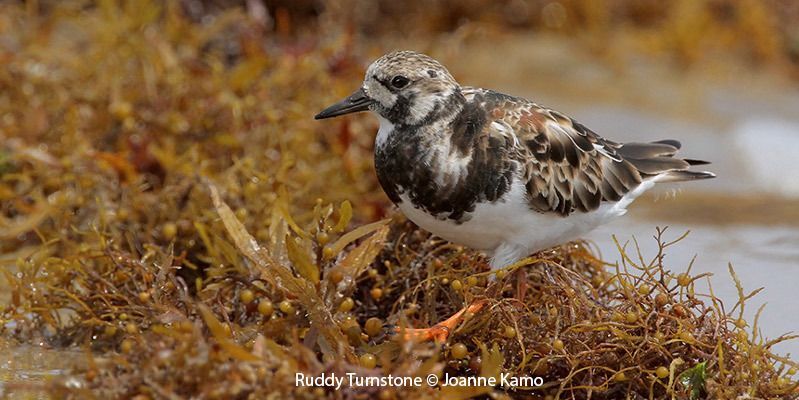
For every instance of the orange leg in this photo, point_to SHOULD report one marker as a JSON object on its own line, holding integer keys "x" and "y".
{"x": 441, "y": 331}
{"x": 521, "y": 284}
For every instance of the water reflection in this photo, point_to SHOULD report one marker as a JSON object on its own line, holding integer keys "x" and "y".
{"x": 26, "y": 369}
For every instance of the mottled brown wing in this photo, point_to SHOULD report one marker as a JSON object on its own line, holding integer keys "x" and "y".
{"x": 566, "y": 166}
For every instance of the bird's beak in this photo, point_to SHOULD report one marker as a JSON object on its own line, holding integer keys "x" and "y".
{"x": 355, "y": 102}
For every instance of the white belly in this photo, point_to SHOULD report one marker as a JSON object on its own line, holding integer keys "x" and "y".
{"x": 510, "y": 226}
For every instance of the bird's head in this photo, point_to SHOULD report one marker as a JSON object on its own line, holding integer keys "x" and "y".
{"x": 404, "y": 87}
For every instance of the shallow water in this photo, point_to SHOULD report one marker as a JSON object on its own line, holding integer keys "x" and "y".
{"x": 762, "y": 256}
{"x": 32, "y": 367}
{"x": 745, "y": 122}
{"x": 752, "y": 155}
{"x": 764, "y": 247}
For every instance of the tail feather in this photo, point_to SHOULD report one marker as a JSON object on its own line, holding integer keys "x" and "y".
{"x": 683, "y": 176}
{"x": 671, "y": 142}
{"x": 648, "y": 150}
{"x": 691, "y": 161}
{"x": 657, "y": 159}
{"x": 657, "y": 165}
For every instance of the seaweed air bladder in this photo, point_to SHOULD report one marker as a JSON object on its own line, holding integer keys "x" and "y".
{"x": 174, "y": 223}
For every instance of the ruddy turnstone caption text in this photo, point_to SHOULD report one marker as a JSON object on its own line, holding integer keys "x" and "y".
{"x": 354, "y": 380}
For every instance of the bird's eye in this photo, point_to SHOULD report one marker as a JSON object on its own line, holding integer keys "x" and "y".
{"x": 399, "y": 81}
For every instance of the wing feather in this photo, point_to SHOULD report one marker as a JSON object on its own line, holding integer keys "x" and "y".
{"x": 567, "y": 167}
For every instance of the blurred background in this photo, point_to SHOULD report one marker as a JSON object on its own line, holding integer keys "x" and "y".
{"x": 143, "y": 94}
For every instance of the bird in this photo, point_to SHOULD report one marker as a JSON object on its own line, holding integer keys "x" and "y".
{"x": 494, "y": 172}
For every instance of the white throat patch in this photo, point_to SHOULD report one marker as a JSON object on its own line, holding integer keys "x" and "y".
{"x": 386, "y": 129}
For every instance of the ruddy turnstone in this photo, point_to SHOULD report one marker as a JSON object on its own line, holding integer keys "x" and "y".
{"x": 494, "y": 172}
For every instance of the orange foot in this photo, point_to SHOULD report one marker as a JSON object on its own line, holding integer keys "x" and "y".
{"x": 441, "y": 331}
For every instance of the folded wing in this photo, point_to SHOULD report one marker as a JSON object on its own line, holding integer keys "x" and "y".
{"x": 568, "y": 168}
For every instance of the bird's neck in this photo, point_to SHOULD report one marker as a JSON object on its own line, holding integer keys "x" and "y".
{"x": 404, "y": 130}
{"x": 424, "y": 160}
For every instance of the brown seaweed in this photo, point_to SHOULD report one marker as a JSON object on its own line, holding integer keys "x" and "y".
{"x": 169, "y": 208}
